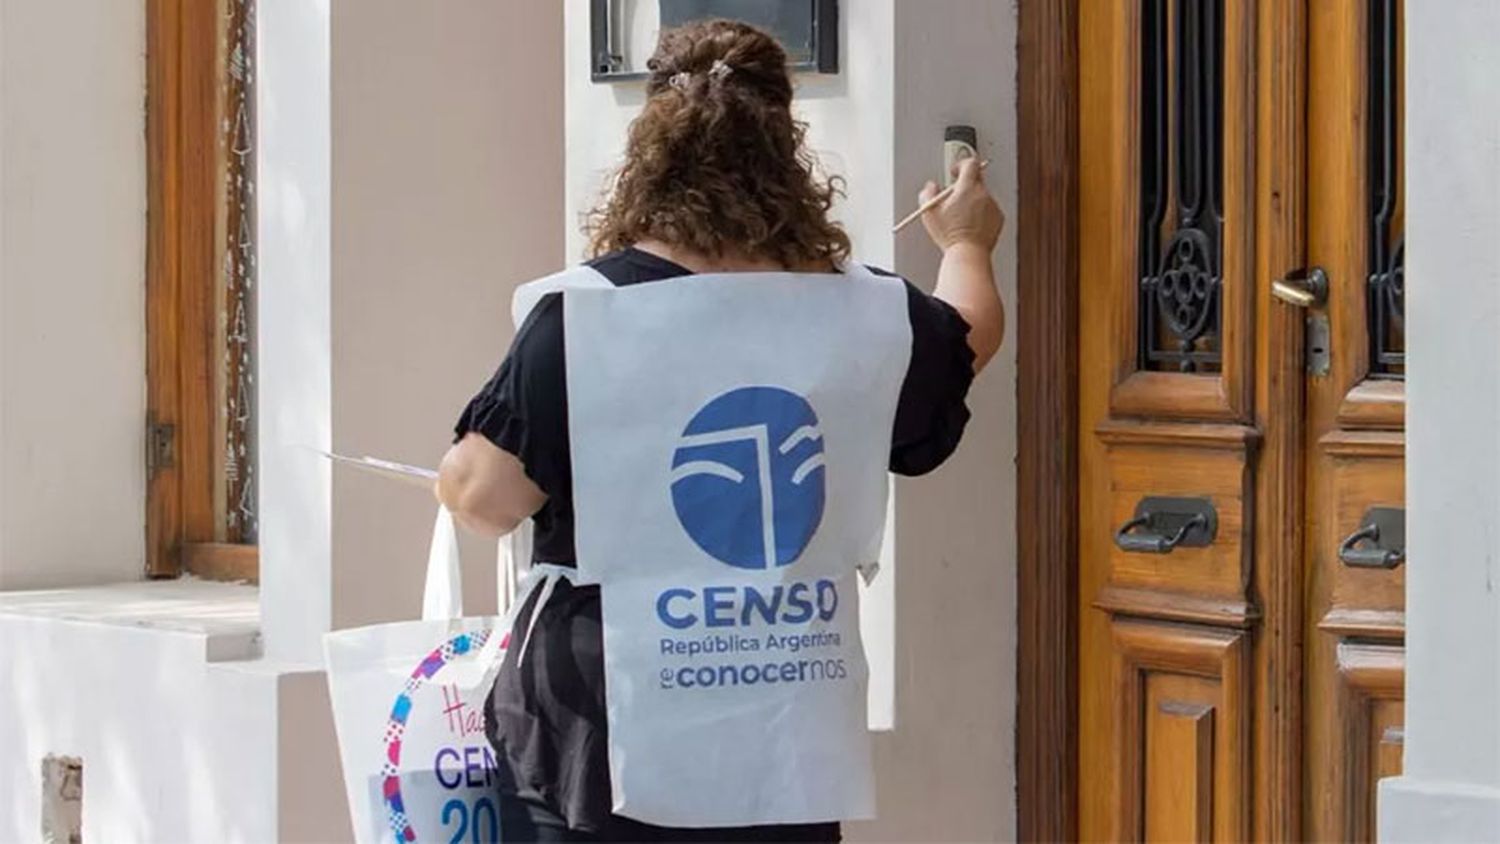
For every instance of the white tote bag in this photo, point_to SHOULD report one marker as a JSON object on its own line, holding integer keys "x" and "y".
{"x": 408, "y": 705}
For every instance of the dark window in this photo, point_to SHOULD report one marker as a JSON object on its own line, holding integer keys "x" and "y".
{"x": 621, "y": 30}
{"x": 791, "y": 22}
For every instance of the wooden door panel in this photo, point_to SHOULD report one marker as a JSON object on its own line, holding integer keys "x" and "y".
{"x": 1168, "y": 292}
{"x": 1354, "y": 657}
{"x": 1374, "y": 403}
{"x": 1217, "y": 154}
{"x": 1188, "y": 461}
{"x": 1370, "y": 748}
{"x": 1179, "y": 264}
{"x": 1179, "y": 758}
{"x": 1366, "y": 469}
{"x": 1184, "y": 729}
{"x": 1278, "y": 577}
{"x": 1354, "y": 155}
{"x": 1355, "y": 413}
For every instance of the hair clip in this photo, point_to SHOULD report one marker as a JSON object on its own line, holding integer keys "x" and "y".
{"x": 719, "y": 70}
{"x": 680, "y": 81}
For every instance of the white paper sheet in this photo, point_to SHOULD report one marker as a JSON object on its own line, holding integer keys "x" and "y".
{"x": 406, "y": 473}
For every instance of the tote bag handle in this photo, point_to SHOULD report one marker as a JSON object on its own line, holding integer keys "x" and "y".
{"x": 514, "y": 556}
{"x": 443, "y": 595}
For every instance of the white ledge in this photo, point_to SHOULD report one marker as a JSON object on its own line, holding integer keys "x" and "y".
{"x": 1418, "y": 810}
{"x": 226, "y": 615}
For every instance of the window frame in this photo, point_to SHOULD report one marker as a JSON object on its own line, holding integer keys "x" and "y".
{"x": 185, "y": 106}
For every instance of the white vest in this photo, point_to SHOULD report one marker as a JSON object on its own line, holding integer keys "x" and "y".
{"x": 730, "y": 438}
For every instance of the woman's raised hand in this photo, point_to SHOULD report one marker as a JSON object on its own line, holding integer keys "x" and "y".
{"x": 969, "y": 214}
{"x": 966, "y": 226}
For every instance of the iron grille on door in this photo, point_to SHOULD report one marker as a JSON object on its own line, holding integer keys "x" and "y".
{"x": 237, "y": 510}
{"x": 1387, "y": 290}
{"x": 1181, "y": 194}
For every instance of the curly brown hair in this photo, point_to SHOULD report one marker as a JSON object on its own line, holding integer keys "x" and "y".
{"x": 716, "y": 163}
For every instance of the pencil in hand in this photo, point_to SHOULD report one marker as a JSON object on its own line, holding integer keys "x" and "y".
{"x": 930, "y": 204}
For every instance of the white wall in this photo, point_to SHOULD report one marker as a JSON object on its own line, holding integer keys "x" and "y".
{"x": 411, "y": 158}
{"x": 294, "y": 410}
{"x": 1450, "y": 790}
{"x": 173, "y": 748}
{"x": 595, "y": 119}
{"x": 72, "y": 292}
{"x": 947, "y": 771}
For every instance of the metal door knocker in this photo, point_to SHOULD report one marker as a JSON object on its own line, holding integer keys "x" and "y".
{"x": 1380, "y": 541}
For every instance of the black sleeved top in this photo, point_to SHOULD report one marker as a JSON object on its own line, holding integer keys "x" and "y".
{"x": 547, "y": 718}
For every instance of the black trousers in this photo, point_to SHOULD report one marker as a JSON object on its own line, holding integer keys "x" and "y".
{"x": 525, "y": 820}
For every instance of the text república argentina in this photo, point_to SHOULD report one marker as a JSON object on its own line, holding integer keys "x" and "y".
{"x": 704, "y": 625}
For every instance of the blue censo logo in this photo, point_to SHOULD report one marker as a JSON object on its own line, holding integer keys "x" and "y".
{"x": 748, "y": 476}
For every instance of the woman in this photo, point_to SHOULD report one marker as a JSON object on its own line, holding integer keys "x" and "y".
{"x": 717, "y": 181}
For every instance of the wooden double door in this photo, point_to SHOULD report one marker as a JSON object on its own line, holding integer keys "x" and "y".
{"x": 1241, "y": 404}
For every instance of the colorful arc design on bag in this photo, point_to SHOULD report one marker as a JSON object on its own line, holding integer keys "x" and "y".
{"x": 395, "y": 728}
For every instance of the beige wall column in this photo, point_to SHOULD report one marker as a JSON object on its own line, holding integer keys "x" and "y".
{"x": 411, "y": 170}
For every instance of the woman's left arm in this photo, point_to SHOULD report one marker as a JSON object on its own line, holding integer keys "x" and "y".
{"x": 486, "y": 487}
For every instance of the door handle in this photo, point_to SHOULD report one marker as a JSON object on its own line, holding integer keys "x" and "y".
{"x": 1149, "y": 542}
{"x": 1384, "y": 528}
{"x": 1162, "y": 524}
{"x": 1305, "y": 289}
